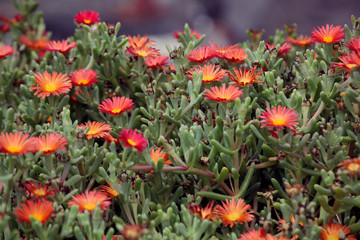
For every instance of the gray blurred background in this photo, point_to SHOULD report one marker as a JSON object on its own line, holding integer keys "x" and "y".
{"x": 224, "y": 21}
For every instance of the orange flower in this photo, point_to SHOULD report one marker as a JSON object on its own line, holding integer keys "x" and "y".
{"x": 83, "y": 77}
{"x": 193, "y": 33}
{"x": 96, "y": 129}
{"x": 143, "y": 51}
{"x": 223, "y": 94}
{"x": 37, "y": 45}
{"x": 116, "y": 105}
{"x": 37, "y": 190}
{"x": 156, "y": 61}
{"x": 347, "y": 63}
{"x": 279, "y": 117}
{"x": 332, "y": 232}
{"x": 110, "y": 139}
{"x": 285, "y": 48}
{"x": 210, "y": 73}
{"x": 244, "y": 77}
{"x": 87, "y": 17}
{"x": 40, "y": 210}
{"x": 328, "y": 34}
{"x": 201, "y": 54}
{"x": 354, "y": 44}
{"x": 110, "y": 191}
{"x": 254, "y": 235}
{"x": 300, "y": 41}
{"x": 233, "y": 211}
{"x": 221, "y": 50}
{"x": 157, "y": 154}
{"x": 50, "y": 143}
{"x": 89, "y": 200}
{"x": 235, "y": 56}
{"x": 15, "y": 143}
{"x": 60, "y": 46}
{"x": 206, "y": 213}
{"x": 352, "y": 166}
{"x": 138, "y": 41}
{"x": 5, "y": 50}
{"x": 133, "y": 139}
{"x": 51, "y": 83}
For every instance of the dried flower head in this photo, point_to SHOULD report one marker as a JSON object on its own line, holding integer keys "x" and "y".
{"x": 132, "y": 139}
{"x": 15, "y": 143}
{"x": 50, "y": 143}
{"x": 328, "y": 34}
{"x": 37, "y": 190}
{"x": 83, "y": 77}
{"x": 96, "y": 129}
{"x": 39, "y": 209}
{"x": 244, "y": 77}
{"x": 60, "y": 46}
{"x": 210, "y": 73}
{"x": 223, "y": 94}
{"x": 332, "y": 231}
{"x": 51, "y": 84}
{"x": 279, "y": 117}
{"x": 116, "y": 105}
{"x": 89, "y": 200}
{"x": 87, "y": 17}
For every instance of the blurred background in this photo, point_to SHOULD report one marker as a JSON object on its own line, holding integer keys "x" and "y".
{"x": 224, "y": 21}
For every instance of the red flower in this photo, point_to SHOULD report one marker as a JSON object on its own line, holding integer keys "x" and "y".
{"x": 144, "y": 51}
{"x": 235, "y": 56}
{"x": 210, "y": 73}
{"x": 89, "y": 200}
{"x": 60, "y": 46}
{"x": 5, "y": 50}
{"x": 352, "y": 166}
{"x": 204, "y": 213}
{"x": 279, "y": 117}
{"x": 15, "y": 143}
{"x": 110, "y": 139}
{"x": 83, "y": 77}
{"x": 348, "y": 62}
{"x": 37, "y": 190}
{"x": 110, "y": 191}
{"x": 354, "y": 44}
{"x": 332, "y": 231}
{"x": 51, "y": 83}
{"x": 285, "y": 48}
{"x": 87, "y": 17}
{"x": 156, "y": 61}
{"x": 201, "y": 54}
{"x": 116, "y": 105}
{"x": 50, "y": 143}
{"x": 300, "y": 41}
{"x": 223, "y": 94}
{"x": 254, "y": 235}
{"x": 157, "y": 154}
{"x": 138, "y": 41}
{"x": 96, "y": 129}
{"x": 221, "y": 50}
{"x": 39, "y": 209}
{"x": 133, "y": 139}
{"x": 328, "y": 34}
{"x": 37, "y": 45}
{"x": 244, "y": 77}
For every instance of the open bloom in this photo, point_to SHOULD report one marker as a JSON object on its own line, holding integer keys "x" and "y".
{"x": 300, "y": 41}
{"x": 110, "y": 139}
{"x": 39, "y": 209}
{"x": 354, "y": 44}
{"x": 50, "y": 143}
{"x": 37, "y": 44}
{"x": 201, "y": 54}
{"x": 233, "y": 211}
{"x": 279, "y": 117}
{"x": 352, "y": 166}
{"x": 254, "y": 235}
{"x": 235, "y": 56}
{"x": 116, "y": 105}
{"x": 348, "y": 62}
{"x": 204, "y": 213}
{"x": 133, "y": 139}
{"x": 87, "y": 17}
{"x": 15, "y": 143}
{"x": 156, "y": 61}
{"x": 109, "y": 190}
{"x": 60, "y": 46}
{"x": 51, "y": 83}
{"x": 332, "y": 232}
{"x": 210, "y": 73}
{"x": 285, "y": 48}
{"x": 37, "y": 190}
{"x": 157, "y": 154}
{"x": 89, "y": 200}
{"x": 244, "y": 77}
{"x": 144, "y": 51}
{"x": 96, "y": 129}
{"x": 83, "y": 77}
{"x": 6, "y": 50}
{"x": 139, "y": 41}
{"x": 221, "y": 50}
{"x": 328, "y": 34}
{"x": 223, "y": 94}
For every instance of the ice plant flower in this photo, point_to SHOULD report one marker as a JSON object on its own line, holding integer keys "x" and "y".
{"x": 50, "y": 143}
{"x": 116, "y": 105}
{"x": 210, "y": 73}
{"x": 83, "y": 77}
{"x": 156, "y": 61}
{"x": 244, "y": 77}
{"x": 110, "y": 139}
{"x": 51, "y": 84}
{"x": 254, "y": 235}
{"x": 133, "y": 139}
{"x": 37, "y": 45}
{"x": 279, "y": 117}
{"x": 15, "y": 143}
{"x": 89, "y": 200}
{"x": 285, "y": 48}
{"x": 201, "y": 54}
{"x": 332, "y": 231}
{"x": 157, "y": 154}
{"x": 132, "y": 232}
{"x": 109, "y": 190}
{"x": 39, "y": 209}
{"x": 142, "y": 51}
{"x": 352, "y": 166}
{"x": 192, "y": 34}
{"x": 223, "y": 94}
{"x": 204, "y": 213}
{"x": 235, "y": 56}
{"x": 138, "y": 41}
{"x": 328, "y": 34}
{"x": 60, "y": 46}
{"x": 300, "y": 41}
{"x": 87, "y": 17}
{"x": 96, "y": 129}
{"x": 354, "y": 44}
{"x": 37, "y": 190}
{"x": 221, "y": 50}
{"x": 233, "y": 211}
{"x": 5, "y": 50}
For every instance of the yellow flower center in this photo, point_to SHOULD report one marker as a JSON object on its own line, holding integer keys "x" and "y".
{"x": 89, "y": 205}
{"x": 38, "y": 216}
{"x": 279, "y": 121}
{"x": 118, "y": 110}
{"x": 50, "y": 87}
{"x": 142, "y": 53}
{"x": 350, "y": 65}
{"x": 208, "y": 78}
{"x": 245, "y": 80}
{"x": 333, "y": 236}
{"x": 131, "y": 142}
{"x": 92, "y": 132}
{"x": 13, "y": 149}
{"x": 233, "y": 216}
{"x": 39, "y": 192}
{"x": 83, "y": 82}
{"x": 353, "y": 167}
{"x": 328, "y": 39}
{"x": 87, "y": 21}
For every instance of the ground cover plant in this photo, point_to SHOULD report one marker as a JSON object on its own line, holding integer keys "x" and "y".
{"x": 104, "y": 138}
